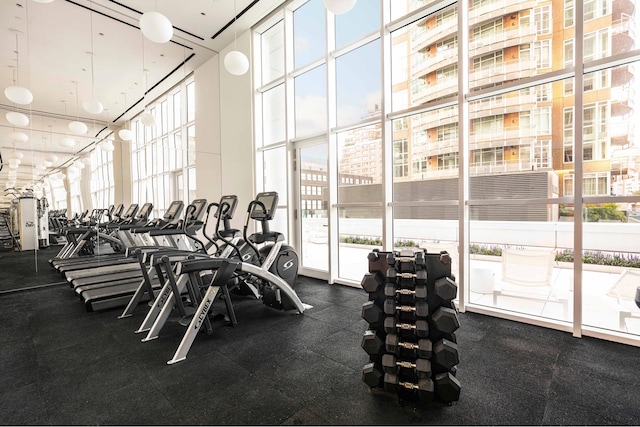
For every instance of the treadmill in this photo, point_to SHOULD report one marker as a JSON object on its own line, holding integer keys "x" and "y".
{"x": 116, "y": 290}
{"x": 123, "y": 228}
{"x": 64, "y": 256}
{"x": 114, "y": 237}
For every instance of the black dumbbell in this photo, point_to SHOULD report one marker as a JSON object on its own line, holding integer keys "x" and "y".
{"x": 371, "y": 343}
{"x": 447, "y": 387}
{"x": 419, "y": 277}
{"x": 420, "y": 327}
{"x": 418, "y": 292}
{"x": 371, "y": 282}
{"x": 424, "y": 387}
{"x": 445, "y": 320}
{"x": 419, "y": 309}
{"x": 406, "y": 257}
{"x": 378, "y": 262}
{"x": 422, "y": 367}
{"x": 372, "y": 313}
{"x": 446, "y": 288}
{"x": 423, "y": 348}
{"x": 445, "y": 353}
{"x": 371, "y": 375}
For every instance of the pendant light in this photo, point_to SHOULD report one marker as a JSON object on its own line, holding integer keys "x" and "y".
{"x": 156, "y": 27}
{"x": 18, "y": 136}
{"x": 338, "y": 7}
{"x": 17, "y": 119}
{"x": 92, "y": 106}
{"x": 76, "y": 127}
{"x": 235, "y": 61}
{"x": 15, "y": 93}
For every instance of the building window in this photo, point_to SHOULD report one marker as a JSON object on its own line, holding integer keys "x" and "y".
{"x": 567, "y": 139}
{"x": 102, "y": 182}
{"x": 400, "y": 158}
{"x": 542, "y": 19}
{"x": 569, "y": 13}
{"x": 542, "y": 52}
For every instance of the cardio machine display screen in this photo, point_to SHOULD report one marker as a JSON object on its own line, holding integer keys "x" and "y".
{"x": 172, "y": 212}
{"x": 130, "y": 211}
{"x": 232, "y": 202}
{"x": 270, "y": 202}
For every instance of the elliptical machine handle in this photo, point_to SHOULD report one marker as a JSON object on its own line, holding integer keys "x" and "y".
{"x": 246, "y": 226}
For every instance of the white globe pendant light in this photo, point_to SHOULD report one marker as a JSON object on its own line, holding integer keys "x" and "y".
{"x": 17, "y": 119}
{"x": 236, "y": 62}
{"x": 338, "y": 7}
{"x": 19, "y": 136}
{"x": 107, "y": 145}
{"x": 68, "y": 142}
{"x": 18, "y": 95}
{"x": 148, "y": 119}
{"x": 156, "y": 27}
{"x": 125, "y": 134}
{"x": 51, "y": 158}
{"x": 16, "y": 155}
{"x": 78, "y": 128}
{"x": 92, "y": 106}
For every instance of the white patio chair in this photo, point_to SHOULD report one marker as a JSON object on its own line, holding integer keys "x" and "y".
{"x": 624, "y": 292}
{"x": 527, "y": 273}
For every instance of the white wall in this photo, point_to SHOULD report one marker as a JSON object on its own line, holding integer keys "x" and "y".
{"x": 208, "y": 156}
{"x": 236, "y": 131}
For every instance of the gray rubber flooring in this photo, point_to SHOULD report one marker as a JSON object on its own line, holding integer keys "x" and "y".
{"x": 64, "y": 366}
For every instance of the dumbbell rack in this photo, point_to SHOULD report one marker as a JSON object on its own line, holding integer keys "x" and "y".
{"x": 412, "y": 319}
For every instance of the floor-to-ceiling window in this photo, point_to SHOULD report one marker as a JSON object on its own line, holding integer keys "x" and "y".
{"x": 460, "y": 125}
{"x": 102, "y": 181}
{"x": 163, "y": 149}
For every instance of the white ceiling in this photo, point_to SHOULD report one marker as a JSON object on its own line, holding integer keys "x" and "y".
{"x": 54, "y": 41}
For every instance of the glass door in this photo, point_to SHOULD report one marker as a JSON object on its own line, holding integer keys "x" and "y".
{"x": 313, "y": 208}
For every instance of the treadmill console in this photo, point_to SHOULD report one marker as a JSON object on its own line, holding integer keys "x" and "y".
{"x": 145, "y": 211}
{"x": 131, "y": 211}
{"x": 270, "y": 202}
{"x": 174, "y": 210}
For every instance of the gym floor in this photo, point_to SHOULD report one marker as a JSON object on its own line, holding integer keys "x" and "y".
{"x": 62, "y": 365}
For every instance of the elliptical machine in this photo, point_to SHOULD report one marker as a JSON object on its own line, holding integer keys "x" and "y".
{"x": 266, "y": 249}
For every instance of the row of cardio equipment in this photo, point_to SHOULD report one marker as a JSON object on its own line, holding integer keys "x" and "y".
{"x": 180, "y": 265}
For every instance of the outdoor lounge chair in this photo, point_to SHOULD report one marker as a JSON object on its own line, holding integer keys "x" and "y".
{"x": 624, "y": 292}
{"x": 527, "y": 273}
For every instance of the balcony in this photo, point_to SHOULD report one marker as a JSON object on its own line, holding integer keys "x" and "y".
{"x": 440, "y": 89}
{"x": 496, "y": 9}
{"x": 432, "y": 35}
{"x": 623, "y": 35}
{"x": 431, "y": 63}
{"x": 502, "y": 137}
{"x": 522, "y": 34}
{"x": 498, "y": 73}
{"x": 503, "y": 104}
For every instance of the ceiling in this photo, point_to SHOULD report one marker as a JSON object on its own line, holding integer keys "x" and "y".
{"x": 47, "y": 48}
